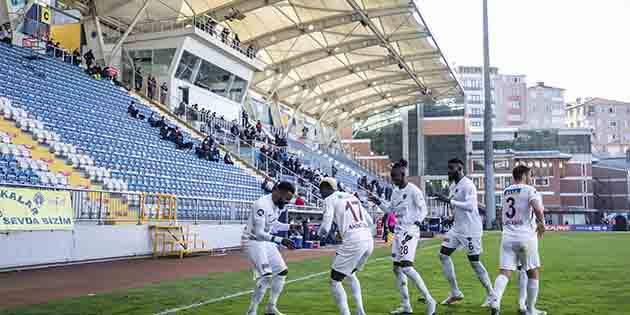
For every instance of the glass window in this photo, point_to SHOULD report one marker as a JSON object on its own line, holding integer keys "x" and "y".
{"x": 186, "y": 66}
{"x": 211, "y": 77}
{"x": 541, "y": 182}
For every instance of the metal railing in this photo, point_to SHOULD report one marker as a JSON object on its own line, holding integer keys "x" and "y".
{"x": 203, "y": 23}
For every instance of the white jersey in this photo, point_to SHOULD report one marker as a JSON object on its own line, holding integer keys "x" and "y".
{"x": 352, "y": 220}
{"x": 263, "y": 220}
{"x": 409, "y": 207}
{"x": 518, "y": 215}
{"x": 465, "y": 209}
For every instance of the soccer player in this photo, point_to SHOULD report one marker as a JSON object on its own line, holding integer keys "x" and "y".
{"x": 408, "y": 204}
{"x": 261, "y": 246}
{"x": 521, "y": 203}
{"x": 353, "y": 224}
{"x": 466, "y": 232}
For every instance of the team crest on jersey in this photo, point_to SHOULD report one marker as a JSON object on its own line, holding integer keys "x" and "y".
{"x": 260, "y": 212}
{"x": 404, "y": 196}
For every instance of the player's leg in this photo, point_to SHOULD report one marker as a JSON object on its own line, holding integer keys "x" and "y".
{"x": 280, "y": 271}
{"x": 474, "y": 249}
{"x": 508, "y": 259}
{"x": 401, "y": 278}
{"x": 338, "y": 292}
{"x": 532, "y": 265}
{"x": 355, "y": 286}
{"x": 262, "y": 269}
{"x": 408, "y": 254}
{"x": 522, "y": 289}
{"x": 449, "y": 245}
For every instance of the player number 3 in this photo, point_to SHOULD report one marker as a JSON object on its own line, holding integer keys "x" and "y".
{"x": 512, "y": 212}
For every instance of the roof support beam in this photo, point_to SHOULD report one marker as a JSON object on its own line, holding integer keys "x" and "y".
{"x": 242, "y": 6}
{"x": 325, "y": 52}
{"x": 344, "y": 71}
{"x": 128, "y": 31}
{"x": 319, "y": 25}
{"x": 385, "y": 41}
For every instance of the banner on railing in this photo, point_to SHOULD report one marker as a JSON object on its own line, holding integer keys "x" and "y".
{"x": 31, "y": 209}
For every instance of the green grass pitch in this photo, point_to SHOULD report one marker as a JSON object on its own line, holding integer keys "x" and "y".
{"x": 583, "y": 273}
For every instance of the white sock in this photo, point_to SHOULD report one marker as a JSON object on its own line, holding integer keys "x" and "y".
{"x": 522, "y": 286}
{"x": 355, "y": 287}
{"x": 262, "y": 284}
{"x": 449, "y": 272}
{"x": 277, "y": 285}
{"x": 411, "y": 273}
{"x": 483, "y": 276}
{"x": 339, "y": 294}
{"x": 401, "y": 281}
{"x": 499, "y": 287}
{"x": 532, "y": 294}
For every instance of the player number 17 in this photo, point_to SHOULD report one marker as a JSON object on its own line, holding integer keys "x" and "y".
{"x": 354, "y": 213}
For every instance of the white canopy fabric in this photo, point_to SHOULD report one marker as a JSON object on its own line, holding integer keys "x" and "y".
{"x": 332, "y": 59}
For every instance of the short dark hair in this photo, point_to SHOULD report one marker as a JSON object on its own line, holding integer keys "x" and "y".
{"x": 456, "y": 161}
{"x": 400, "y": 164}
{"x": 323, "y": 183}
{"x": 520, "y": 171}
{"x": 285, "y": 186}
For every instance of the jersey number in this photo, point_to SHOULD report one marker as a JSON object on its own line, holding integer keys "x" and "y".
{"x": 354, "y": 214}
{"x": 512, "y": 212}
{"x": 404, "y": 250}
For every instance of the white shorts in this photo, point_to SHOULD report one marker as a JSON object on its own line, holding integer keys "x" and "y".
{"x": 472, "y": 245}
{"x": 515, "y": 252}
{"x": 352, "y": 256}
{"x": 404, "y": 246}
{"x": 265, "y": 258}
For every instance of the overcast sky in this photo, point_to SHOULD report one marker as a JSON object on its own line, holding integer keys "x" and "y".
{"x": 580, "y": 45}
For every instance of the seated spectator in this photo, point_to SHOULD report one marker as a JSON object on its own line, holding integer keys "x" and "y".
{"x": 152, "y": 121}
{"x": 234, "y": 130}
{"x": 134, "y": 112}
{"x": 224, "y": 35}
{"x": 299, "y": 201}
{"x": 58, "y": 50}
{"x": 258, "y": 126}
{"x": 215, "y": 155}
{"x": 165, "y": 132}
{"x": 236, "y": 43}
{"x": 227, "y": 159}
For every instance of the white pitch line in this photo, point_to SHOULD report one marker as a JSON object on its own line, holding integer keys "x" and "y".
{"x": 237, "y": 294}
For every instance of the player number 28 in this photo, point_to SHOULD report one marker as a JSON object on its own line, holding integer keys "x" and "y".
{"x": 404, "y": 250}
{"x": 512, "y": 212}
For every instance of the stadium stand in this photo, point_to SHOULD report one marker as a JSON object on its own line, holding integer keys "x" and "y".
{"x": 85, "y": 121}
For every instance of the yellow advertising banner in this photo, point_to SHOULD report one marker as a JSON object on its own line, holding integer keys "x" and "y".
{"x": 46, "y": 15}
{"x": 31, "y": 209}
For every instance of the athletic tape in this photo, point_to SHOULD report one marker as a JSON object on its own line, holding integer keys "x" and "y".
{"x": 235, "y": 295}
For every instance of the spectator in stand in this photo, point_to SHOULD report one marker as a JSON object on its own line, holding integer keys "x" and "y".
{"x": 258, "y": 127}
{"x": 76, "y": 54}
{"x": 89, "y": 58}
{"x": 165, "y": 131}
{"x": 227, "y": 159}
{"x": 134, "y": 112}
{"x": 152, "y": 121}
{"x": 245, "y": 119}
{"x": 236, "y": 43}
{"x": 215, "y": 155}
{"x": 151, "y": 86}
{"x": 58, "y": 50}
{"x": 234, "y": 130}
{"x": 163, "y": 92}
{"x": 6, "y": 34}
{"x": 299, "y": 201}
{"x": 224, "y": 35}
{"x": 334, "y": 171}
{"x": 138, "y": 79}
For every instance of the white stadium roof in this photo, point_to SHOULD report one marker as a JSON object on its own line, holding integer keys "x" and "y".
{"x": 332, "y": 59}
